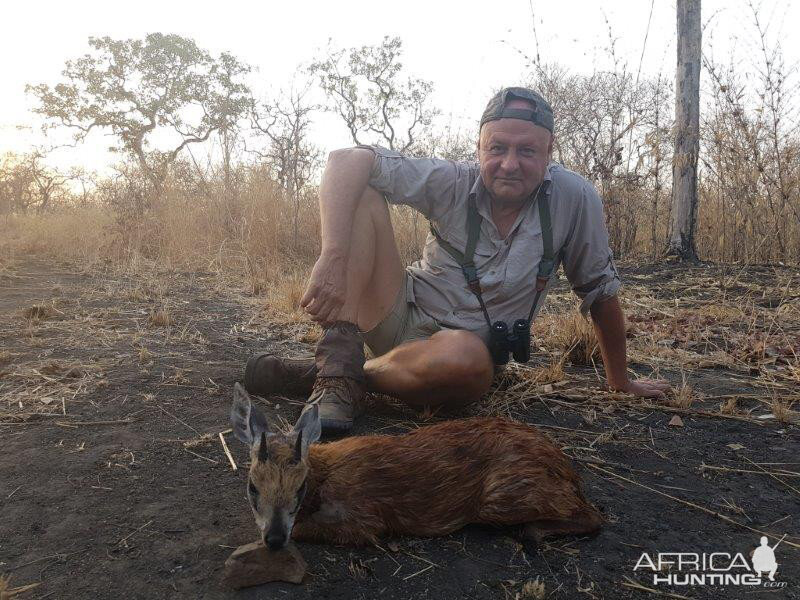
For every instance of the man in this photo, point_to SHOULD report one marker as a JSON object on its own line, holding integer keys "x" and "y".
{"x": 423, "y": 323}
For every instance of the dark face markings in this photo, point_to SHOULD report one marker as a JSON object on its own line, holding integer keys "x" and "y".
{"x": 301, "y": 493}
{"x": 252, "y": 493}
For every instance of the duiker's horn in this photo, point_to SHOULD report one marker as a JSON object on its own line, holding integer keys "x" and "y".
{"x": 298, "y": 447}
{"x": 263, "y": 456}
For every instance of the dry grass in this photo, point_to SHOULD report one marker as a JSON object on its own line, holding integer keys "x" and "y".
{"x": 552, "y": 373}
{"x": 782, "y": 411}
{"x": 569, "y": 334}
{"x": 144, "y": 355}
{"x": 40, "y": 312}
{"x": 7, "y": 592}
{"x": 533, "y": 590}
{"x": 683, "y": 395}
{"x": 159, "y": 318}
{"x": 730, "y": 406}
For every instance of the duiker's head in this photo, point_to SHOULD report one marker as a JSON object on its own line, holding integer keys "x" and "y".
{"x": 279, "y": 467}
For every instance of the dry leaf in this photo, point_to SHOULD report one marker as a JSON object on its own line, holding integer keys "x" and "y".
{"x": 675, "y": 421}
{"x": 735, "y": 446}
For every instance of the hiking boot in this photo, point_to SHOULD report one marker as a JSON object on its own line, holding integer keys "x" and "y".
{"x": 267, "y": 373}
{"x": 341, "y": 400}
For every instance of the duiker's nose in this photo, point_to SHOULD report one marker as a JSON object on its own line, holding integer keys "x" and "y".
{"x": 276, "y": 541}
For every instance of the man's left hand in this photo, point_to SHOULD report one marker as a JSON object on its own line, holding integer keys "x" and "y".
{"x": 645, "y": 388}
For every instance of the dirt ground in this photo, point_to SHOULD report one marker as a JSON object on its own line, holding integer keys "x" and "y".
{"x": 114, "y": 484}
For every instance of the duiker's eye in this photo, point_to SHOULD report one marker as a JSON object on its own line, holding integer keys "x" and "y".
{"x": 299, "y": 499}
{"x": 252, "y": 489}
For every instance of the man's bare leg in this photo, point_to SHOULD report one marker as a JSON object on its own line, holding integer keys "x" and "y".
{"x": 452, "y": 367}
{"x": 374, "y": 270}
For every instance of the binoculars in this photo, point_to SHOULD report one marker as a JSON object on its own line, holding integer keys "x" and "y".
{"x": 516, "y": 341}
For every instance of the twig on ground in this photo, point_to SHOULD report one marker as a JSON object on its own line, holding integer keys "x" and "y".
{"x": 638, "y": 586}
{"x": 691, "y": 504}
{"x": 131, "y": 534}
{"x": 76, "y": 424}
{"x": 165, "y": 411}
{"x": 420, "y": 572}
{"x": 227, "y": 452}
{"x": 211, "y": 460}
{"x": 775, "y": 477}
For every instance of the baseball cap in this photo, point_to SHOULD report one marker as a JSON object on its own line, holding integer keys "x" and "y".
{"x": 541, "y": 114}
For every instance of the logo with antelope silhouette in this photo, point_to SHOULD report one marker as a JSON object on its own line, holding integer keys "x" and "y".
{"x": 714, "y": 568}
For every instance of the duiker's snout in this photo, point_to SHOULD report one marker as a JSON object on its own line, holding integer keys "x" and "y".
{"x": 275, "y": 540}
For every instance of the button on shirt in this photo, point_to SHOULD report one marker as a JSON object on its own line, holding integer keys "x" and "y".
{"x": 507, "y": 267}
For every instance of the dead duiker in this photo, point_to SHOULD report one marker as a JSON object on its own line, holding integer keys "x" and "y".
{"x": 429, "y": 482}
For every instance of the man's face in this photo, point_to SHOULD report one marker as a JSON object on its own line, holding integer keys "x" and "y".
{"x": 513, "y": 156}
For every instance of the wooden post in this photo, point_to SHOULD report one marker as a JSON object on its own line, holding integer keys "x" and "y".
{"x": 687, "y": 132}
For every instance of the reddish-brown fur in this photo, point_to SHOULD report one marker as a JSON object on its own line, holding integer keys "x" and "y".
{"x": 437, "y": 479}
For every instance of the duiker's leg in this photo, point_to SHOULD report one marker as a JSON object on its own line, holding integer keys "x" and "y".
{"x": 452, "y": 367}
{"x": 580, "y": 524}
{"x": 307, "y": 531}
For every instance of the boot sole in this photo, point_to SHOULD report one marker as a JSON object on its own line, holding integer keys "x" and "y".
{"x": 332, "y": 426}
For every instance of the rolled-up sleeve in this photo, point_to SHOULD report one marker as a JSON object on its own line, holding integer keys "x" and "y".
{"x": 587, "y": 258}
{"x": 426, "y": 184}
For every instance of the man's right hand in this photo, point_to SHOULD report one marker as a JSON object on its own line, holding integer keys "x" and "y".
{"x": 326, "y": 290}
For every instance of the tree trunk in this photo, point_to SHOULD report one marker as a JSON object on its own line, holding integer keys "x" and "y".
{"x": 687, "y": 132}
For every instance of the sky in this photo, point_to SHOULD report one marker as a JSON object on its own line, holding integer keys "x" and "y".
{"x": 466, "y": 48}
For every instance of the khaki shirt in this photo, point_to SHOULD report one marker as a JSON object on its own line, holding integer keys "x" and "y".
{"x": 507, "y": 268}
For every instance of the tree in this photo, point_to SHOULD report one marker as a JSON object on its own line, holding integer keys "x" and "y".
{"x": 26, "y": 183}
{"x": 163, "y": 87}
{"x": 367, "y": 91}
{"x": 292, "y": 158}
{"x": 449, "y": 142}
{"x": 687, "y": 132}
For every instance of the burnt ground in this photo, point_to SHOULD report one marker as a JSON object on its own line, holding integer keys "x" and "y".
{"x": 113, "y": 482}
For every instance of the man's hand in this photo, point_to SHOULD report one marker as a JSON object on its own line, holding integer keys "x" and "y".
{"x": 644, "y": 388}
{"x": 609, "y": 324}
{"x": 326, "y": 290}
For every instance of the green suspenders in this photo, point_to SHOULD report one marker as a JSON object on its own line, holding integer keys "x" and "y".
{"x": 465, "y": 260}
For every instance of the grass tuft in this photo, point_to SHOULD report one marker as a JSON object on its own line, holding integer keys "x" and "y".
{"x": 533, "y": 590}
{"x": 683, "y": 395}
{"x": 159, "y": 318}
{"x": 39, "y": 312}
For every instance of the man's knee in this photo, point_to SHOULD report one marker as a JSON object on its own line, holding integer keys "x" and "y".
{"x": 464, "y": 359}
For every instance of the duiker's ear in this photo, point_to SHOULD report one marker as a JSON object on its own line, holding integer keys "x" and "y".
{"x": 248, "y": 422}
{"x": 308, "y": 427}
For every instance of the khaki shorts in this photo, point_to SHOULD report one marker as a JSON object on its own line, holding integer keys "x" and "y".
{"x": 404, "y": 323}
